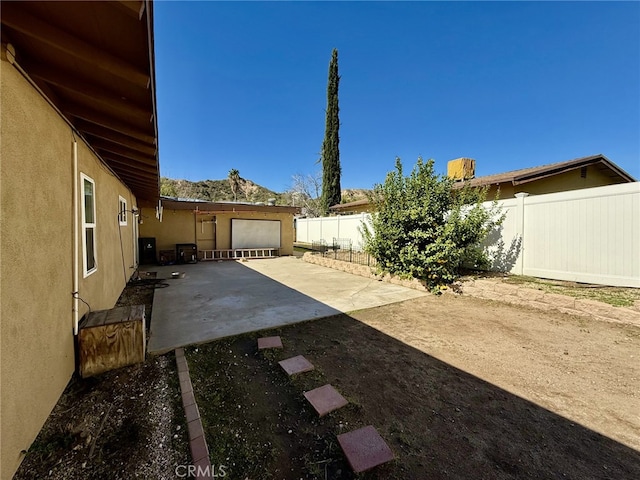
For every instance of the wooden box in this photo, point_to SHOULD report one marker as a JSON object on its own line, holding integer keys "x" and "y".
{"x": 110, "y": 339}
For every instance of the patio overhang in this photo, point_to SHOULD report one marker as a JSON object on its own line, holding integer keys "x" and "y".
{"x": 95, "y": 62}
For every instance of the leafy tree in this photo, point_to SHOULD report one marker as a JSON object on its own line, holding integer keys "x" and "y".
{"x": 424, "y": 229}
{"x": 330, "y": 155}
{"x": 234, "y": 182}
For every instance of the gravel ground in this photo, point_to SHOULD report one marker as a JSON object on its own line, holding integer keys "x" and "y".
{"x": 123, "y": 424}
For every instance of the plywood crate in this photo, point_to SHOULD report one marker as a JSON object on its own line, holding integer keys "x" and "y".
{"x": 110, "y": 339}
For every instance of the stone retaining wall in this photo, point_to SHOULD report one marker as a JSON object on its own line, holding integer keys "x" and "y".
{"x": 491, "y": 289}
{"x": 363, "y": 271}
{"x": 495, "y": 289}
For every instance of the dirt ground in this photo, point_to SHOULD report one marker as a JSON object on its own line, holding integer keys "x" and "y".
{"x": 459, "y": 388}
{"x": 124, "y": 424}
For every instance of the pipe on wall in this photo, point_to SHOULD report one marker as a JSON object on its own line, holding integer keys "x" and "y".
{"x": 76, "y": 267}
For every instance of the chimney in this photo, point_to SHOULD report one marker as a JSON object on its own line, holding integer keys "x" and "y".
{"x": 461, "y": 169}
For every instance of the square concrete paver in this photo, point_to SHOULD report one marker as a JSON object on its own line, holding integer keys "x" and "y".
{"x": 269, "y": 342}
{"x": 325, "y": 399}
{"x": 295, "y": 365}
{"x": 365, "y": 448}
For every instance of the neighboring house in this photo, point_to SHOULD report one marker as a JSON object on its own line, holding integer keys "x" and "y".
{"x": 586, "y": 172}
{"x": 349, "y": 208}
{"x": 78, "y": 149}
{"x": 217, "y": 226}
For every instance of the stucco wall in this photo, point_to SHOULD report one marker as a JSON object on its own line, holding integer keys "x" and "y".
{"x": 184, "y": 226}
{"x": 36, "y": 268}
{"x": 177, "y": 226}
{"x": 102, "y": 288}
{"x": 563, "y": 182}
{"x": 223, "y": 228}
{"x": 206, "y": 232}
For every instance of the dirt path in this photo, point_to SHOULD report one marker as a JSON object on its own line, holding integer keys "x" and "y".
{"x": 458, "y": 387}
{"x": 584, "y": 370}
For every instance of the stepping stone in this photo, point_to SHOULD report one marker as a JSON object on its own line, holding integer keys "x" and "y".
{"x": 365, "y": 448}
{"x": 295, "y": 365}
{"x": 269, "y": 342}
{"x": 325, "y": 399}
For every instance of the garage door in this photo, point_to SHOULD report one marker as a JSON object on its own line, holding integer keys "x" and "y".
{"x": 255, "y": 233}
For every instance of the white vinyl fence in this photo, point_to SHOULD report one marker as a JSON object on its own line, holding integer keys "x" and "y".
{"x": 590, "y": 235}
{"x": 309, "y": 230}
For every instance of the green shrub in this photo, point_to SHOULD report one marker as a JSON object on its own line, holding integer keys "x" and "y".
{"x": 423, "y": 228}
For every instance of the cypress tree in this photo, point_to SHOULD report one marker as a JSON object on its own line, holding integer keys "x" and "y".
{"x": 330, "y": 156}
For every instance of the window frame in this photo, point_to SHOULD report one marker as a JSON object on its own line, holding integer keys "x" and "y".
{"x": 123, "y": 209}
{"x": 86, "y": 226}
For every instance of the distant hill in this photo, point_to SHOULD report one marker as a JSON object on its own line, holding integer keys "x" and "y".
{"x": 354, "y": 194}
{"x": 220, "y": 191}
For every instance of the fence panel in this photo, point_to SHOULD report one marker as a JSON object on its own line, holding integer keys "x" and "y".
{"x": 309, "y": 230}
{"x": 590, "y": 235}
{"x": 504, "y": 244}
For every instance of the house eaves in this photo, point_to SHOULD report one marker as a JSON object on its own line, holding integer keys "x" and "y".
{"x": 526, "y": 175}
{"x": 95, "y": 62}
{"x": 342, "y": 206}
{"x": 205, "y": 208}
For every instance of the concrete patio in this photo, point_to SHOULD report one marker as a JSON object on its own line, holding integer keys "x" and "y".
{"x": 220, "y": 299}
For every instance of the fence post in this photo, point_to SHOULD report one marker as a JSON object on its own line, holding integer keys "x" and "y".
{"x": 519, "y": 267}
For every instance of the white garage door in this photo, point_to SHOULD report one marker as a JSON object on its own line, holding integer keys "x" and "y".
{"x": 255, "y": 233}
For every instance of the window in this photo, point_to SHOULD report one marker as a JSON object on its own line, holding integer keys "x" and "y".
{"x": 122, "y": 211}
{"x": 89, "y": 225}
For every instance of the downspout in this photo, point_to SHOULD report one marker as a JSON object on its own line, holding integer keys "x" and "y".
{"x": 76, "y": 268}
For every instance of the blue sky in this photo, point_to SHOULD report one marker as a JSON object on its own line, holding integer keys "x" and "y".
{"x": 512, "y": 84}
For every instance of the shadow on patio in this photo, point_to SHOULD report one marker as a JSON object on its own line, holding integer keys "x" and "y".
{"x": 220, "y": 299}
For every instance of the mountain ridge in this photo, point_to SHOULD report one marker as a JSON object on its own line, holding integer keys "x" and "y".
{"x": 248, "y": 191}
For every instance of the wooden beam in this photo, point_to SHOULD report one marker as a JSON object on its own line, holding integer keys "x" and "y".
{"x": 106, "y": 121}
{"x": 148, "y": 186}
{"x": 133, "y": 9}
{"x": 115, "y": 137}
{"x": 133, "y": 168}
{"x": 70, "y": 82}
{"x": 125, "y": 152}
{"x": 21, "y": 20}
{"x": 135, "y": 182}
{"x": 127, "y": 159}
{"x": 146, "y": 180}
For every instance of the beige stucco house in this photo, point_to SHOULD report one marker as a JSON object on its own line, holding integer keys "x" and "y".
{"x": 585, "y": 172}
{"x": 78, "y": 154}
{"x": 218, "y": 227}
